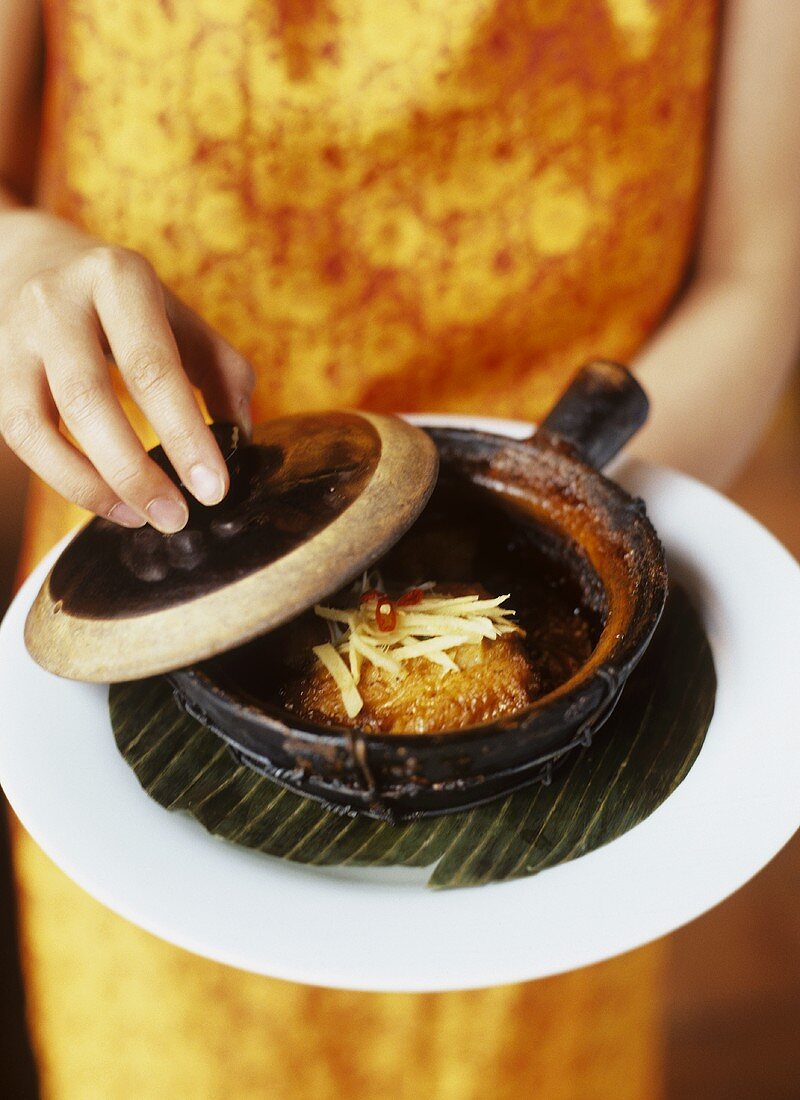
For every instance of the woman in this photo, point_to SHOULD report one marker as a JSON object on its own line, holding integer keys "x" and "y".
{"x": 401, "y": 206}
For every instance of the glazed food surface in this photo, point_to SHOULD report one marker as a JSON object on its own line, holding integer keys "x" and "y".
{"x": 494, "y": 677}
{"x": 465, "y": 543}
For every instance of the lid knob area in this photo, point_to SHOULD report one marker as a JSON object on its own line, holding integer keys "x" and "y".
{"x": 314, "y": 500}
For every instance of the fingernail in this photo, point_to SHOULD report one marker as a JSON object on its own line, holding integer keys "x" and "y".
{"x": 167, "y": 514}
{"x": 206, "y": 484}
{"x": 125, "y": 516}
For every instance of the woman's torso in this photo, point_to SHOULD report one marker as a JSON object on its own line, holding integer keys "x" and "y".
{"x": 406, "y": 205}
{"x": 442, "y": 204}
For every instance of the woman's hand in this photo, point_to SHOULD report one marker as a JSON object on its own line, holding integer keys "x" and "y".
{"x": 67, "y": 301}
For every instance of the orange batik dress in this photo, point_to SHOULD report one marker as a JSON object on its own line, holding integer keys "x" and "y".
{"x": 438, "y": 205}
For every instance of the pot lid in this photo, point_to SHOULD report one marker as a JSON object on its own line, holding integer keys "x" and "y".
{"x": 314, "y": 500}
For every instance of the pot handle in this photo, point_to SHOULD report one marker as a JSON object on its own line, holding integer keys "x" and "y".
{"x": 598, "y": 412}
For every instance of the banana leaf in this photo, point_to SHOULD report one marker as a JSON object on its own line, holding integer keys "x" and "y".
{"x": 636, "y": 761}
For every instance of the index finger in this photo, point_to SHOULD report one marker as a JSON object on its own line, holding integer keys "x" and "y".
{"x": 129, "y": 301}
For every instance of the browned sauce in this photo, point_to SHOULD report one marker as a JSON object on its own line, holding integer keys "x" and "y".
{"x": 464, "y": 541}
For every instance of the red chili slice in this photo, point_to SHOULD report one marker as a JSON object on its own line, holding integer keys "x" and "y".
{"x": 414, "y": 595}
{"x": 372, "y": 594}
{"x": 386, "y": 615}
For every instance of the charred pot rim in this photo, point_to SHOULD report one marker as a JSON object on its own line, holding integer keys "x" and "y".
{"x": 545, "y": 480}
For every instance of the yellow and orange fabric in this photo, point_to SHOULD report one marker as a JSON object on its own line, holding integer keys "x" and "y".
{"x": 411, "y": 205}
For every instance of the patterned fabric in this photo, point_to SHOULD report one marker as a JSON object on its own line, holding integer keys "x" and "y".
{"x": 406, "y": 205}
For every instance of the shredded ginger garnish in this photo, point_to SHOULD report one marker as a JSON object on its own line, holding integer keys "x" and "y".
{"x": 386, "y": 632}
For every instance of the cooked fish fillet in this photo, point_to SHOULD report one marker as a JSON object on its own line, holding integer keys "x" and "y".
{"x": 495, "y": 678}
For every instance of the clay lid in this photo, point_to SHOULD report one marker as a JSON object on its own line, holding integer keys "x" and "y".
{"x": 314, "y": 500}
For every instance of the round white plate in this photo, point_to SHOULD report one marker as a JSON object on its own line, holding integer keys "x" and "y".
{"x": 383, "y": 930}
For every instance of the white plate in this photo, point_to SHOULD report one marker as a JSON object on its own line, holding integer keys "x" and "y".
{"x": 383, "y": 930}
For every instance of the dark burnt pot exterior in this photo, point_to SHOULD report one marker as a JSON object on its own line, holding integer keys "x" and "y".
{"x": 396, "y": 777}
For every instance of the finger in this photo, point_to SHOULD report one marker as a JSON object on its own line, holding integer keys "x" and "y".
{"x": 29, "y": 425}
{"x": 77, "y": 373}
{"x": 222, "y": 374}
{"x": 130, "y": 307}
